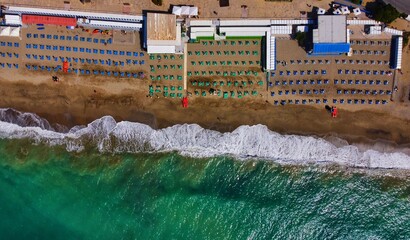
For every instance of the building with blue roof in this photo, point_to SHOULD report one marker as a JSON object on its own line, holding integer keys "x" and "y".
{"x": 331, "y": 36}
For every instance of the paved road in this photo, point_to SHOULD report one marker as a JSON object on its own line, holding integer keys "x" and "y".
{"x": 400, "y": 5}
{"x": 350, "y": 4}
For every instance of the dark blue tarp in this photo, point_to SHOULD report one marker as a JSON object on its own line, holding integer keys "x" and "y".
{"x": 330, "y": 48}
{"x": 395, "y": 49}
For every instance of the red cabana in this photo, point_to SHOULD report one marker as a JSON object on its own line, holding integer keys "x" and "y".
{"x": 49, "y": 20}
{"x": 65, "y": 66}
{"x": 334, "y": 112}
{"x": 184, "y": 102}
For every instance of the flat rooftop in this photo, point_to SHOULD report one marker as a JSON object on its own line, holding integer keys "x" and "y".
{"x": 331, "y": 29}
{"x": 161, "y": 26}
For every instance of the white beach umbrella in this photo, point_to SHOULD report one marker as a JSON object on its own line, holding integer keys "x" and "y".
{"x": 337, "y": 12}
{"x": 345, "y": 10}
{"x": 357, "y": 11}
{"x": 321, "y": 11}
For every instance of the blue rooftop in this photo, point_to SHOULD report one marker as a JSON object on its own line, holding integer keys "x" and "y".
{"x": 330, "y": 48}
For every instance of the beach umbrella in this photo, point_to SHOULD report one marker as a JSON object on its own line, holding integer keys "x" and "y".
{"x": 345, "y": 10}
{"x": 321, "y": 11}
{"x": 357, "y": 11}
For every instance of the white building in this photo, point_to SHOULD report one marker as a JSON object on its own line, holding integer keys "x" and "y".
{"x": 163, "y": 33}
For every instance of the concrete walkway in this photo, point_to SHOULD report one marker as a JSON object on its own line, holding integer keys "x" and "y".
{"x": 185, "y": 66}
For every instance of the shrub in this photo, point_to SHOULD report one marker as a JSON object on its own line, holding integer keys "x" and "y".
{"x": 301, "y": 38}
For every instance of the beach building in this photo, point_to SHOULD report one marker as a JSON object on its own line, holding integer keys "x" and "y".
{"x": 163, "y": 34}
{"x": 12, "y": 20}
{"x": 331, "y": 36}
{"x": 398, "y": 52}
{"x": 352, "y": 61}
{"x": 17, "y": 15}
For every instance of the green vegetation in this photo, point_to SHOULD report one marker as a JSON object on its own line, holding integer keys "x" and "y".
{"x": 385, "y": 13}
{"x": 356, "y": 1}
{"x": 198, "y": 39}
{"x": 204, "y": 38}
{"x": 301, "y": 38}
{"x": 247, "y": 37}
{"x": 157, "y": 2}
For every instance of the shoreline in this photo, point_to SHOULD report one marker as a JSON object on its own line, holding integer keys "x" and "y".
{"x": 246, "y": 143}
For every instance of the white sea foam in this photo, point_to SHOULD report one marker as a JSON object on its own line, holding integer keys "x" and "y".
{"x": 106, "y": 135}
{"x": 24, "y": 119}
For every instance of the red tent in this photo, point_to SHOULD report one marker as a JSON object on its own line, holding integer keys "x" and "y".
{"x": 65, "y": 66}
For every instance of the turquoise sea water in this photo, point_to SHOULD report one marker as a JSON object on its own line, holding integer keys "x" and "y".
{"x": 48, "y": 193}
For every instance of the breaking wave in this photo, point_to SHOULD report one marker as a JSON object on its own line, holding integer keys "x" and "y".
{"x": 106, "y": 135}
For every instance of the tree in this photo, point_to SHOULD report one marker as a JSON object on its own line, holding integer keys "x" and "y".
{"x": 386, "y": 13}
{"x": 356, "y": 1}
{"x": 157, "y": 2}
{"x": 301, "y": 38}
{"x": 406, "y": 36}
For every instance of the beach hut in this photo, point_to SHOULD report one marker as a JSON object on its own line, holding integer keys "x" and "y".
{"x": 15, "y": 32}
{"x": 185, "y": 102}
{"x": 65, "y": 66}
{"x": 193, "y": 11}
{"x": 334, "y": 111}
{"x": 177, "y": 10}
{"x": 185, "y": 10}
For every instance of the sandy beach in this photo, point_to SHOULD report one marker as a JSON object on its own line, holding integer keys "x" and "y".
{"x": 81, "y": 101}
{"x": 76, "y": 100}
